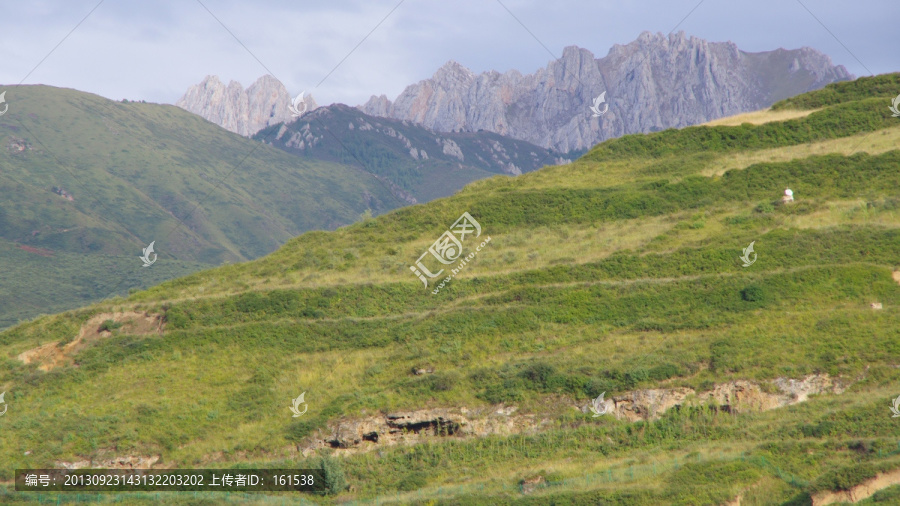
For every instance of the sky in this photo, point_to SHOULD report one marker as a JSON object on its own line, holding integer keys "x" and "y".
{"x": 347, "y": 50}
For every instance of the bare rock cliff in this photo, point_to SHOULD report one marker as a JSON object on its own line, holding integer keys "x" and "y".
{"x": 245, "y": 112}
{"x": 653, "y": 83}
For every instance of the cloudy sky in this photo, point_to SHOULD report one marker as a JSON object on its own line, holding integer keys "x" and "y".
{"x": 347, "y": 50}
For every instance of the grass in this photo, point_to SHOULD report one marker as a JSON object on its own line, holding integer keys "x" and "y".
{"x": 759, "y": 117}
{"x": 597, "y": 284}
{"x": 135, "y": 172}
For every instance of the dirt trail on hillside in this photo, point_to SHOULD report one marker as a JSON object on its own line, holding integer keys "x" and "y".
{"x": 862, "y": 491}
{"x": 53, "y": 355}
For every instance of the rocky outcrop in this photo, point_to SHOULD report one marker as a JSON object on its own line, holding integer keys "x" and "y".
{"x": 245, "y": 112}
{"x": 732, "y": 397}
{"x": 653, "y": 83}
{"x": 412, "y": 427}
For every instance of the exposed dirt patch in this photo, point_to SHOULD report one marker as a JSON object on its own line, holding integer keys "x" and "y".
{"x": 38, "y": 251}
{"x": 858, "y": 493}
{"x": 53, "y": 355}
{"x": 531, "y": 484}
{"x": 760, "y": 117}
{"x": 734, "y": 396}
{"x": 412, "y": 427}
{"x": 126, "y": 462}
{"x": 734, "y": 502}
{"x": 896, "y": 275}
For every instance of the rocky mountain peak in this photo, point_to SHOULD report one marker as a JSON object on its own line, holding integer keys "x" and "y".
{"x": 242, "y": 111}
{"x": 655, "y": 82}
{"x": 453, "y": 71}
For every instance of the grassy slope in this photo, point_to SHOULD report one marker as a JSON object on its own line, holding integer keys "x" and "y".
{"x": 134, "y": 171}
{"x": 615, "y": 273}
{"x": 379, "y": 144}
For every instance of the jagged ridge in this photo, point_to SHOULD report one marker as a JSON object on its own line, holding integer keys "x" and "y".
{"x": 653, "y": 83}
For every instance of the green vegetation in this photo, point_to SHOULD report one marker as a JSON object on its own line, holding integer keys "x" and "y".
{"x": 883, "y": 86}
{"x": 405, "y": 154}
{"x": 88, "y": 183}
{"x": 109, "y": 326}
{"x": 590, "y": 285}
{"x": 840, "y": 120}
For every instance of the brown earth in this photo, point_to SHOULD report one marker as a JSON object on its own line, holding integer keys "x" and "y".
{"x": 734, "y": 396}
{"x": 53, "y": 355}
{"x": 862, "y": 491}
{"x": 412, "y": 427}
{"x": 40, "y": 251}
{"x": 127, "y": 462}
{"x": 896, "y": 275}
{"x": 735, "y": 502}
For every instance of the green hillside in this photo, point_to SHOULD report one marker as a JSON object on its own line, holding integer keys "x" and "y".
{"x": 619, "y": 274}
{"x": 423, "y": 163}
{"x": 84, "y": 176}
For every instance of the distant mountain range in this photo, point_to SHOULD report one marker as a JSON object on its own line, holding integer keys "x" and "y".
{"x": 653, "y": 83}
{"x": 417, "y": 163}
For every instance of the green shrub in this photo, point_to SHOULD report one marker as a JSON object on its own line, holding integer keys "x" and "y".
{"x": 333, "y": 474}
{"x": 298, "y": 430}
{"x": 509, "y": 390}
{"x": 753, "y": 293}
{"x": 664, "y": 372}
{"x": 109, "y": 326}
{"x": 539, "y": 375}
{"x": 845, "y": 478}
{"x": 413, "y": 481}
{"x": 177, "y": 318}
{"x": 443, "y": 382}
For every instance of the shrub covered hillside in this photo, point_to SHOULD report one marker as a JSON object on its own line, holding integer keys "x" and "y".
{"x": 617, "y": 341}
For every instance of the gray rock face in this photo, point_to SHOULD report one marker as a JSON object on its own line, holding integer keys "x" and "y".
{"x": 653, "y": 83}
{"x": 245, "y": 112}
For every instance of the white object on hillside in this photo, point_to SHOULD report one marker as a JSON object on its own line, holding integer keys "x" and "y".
{"x": 788, "y": 195}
